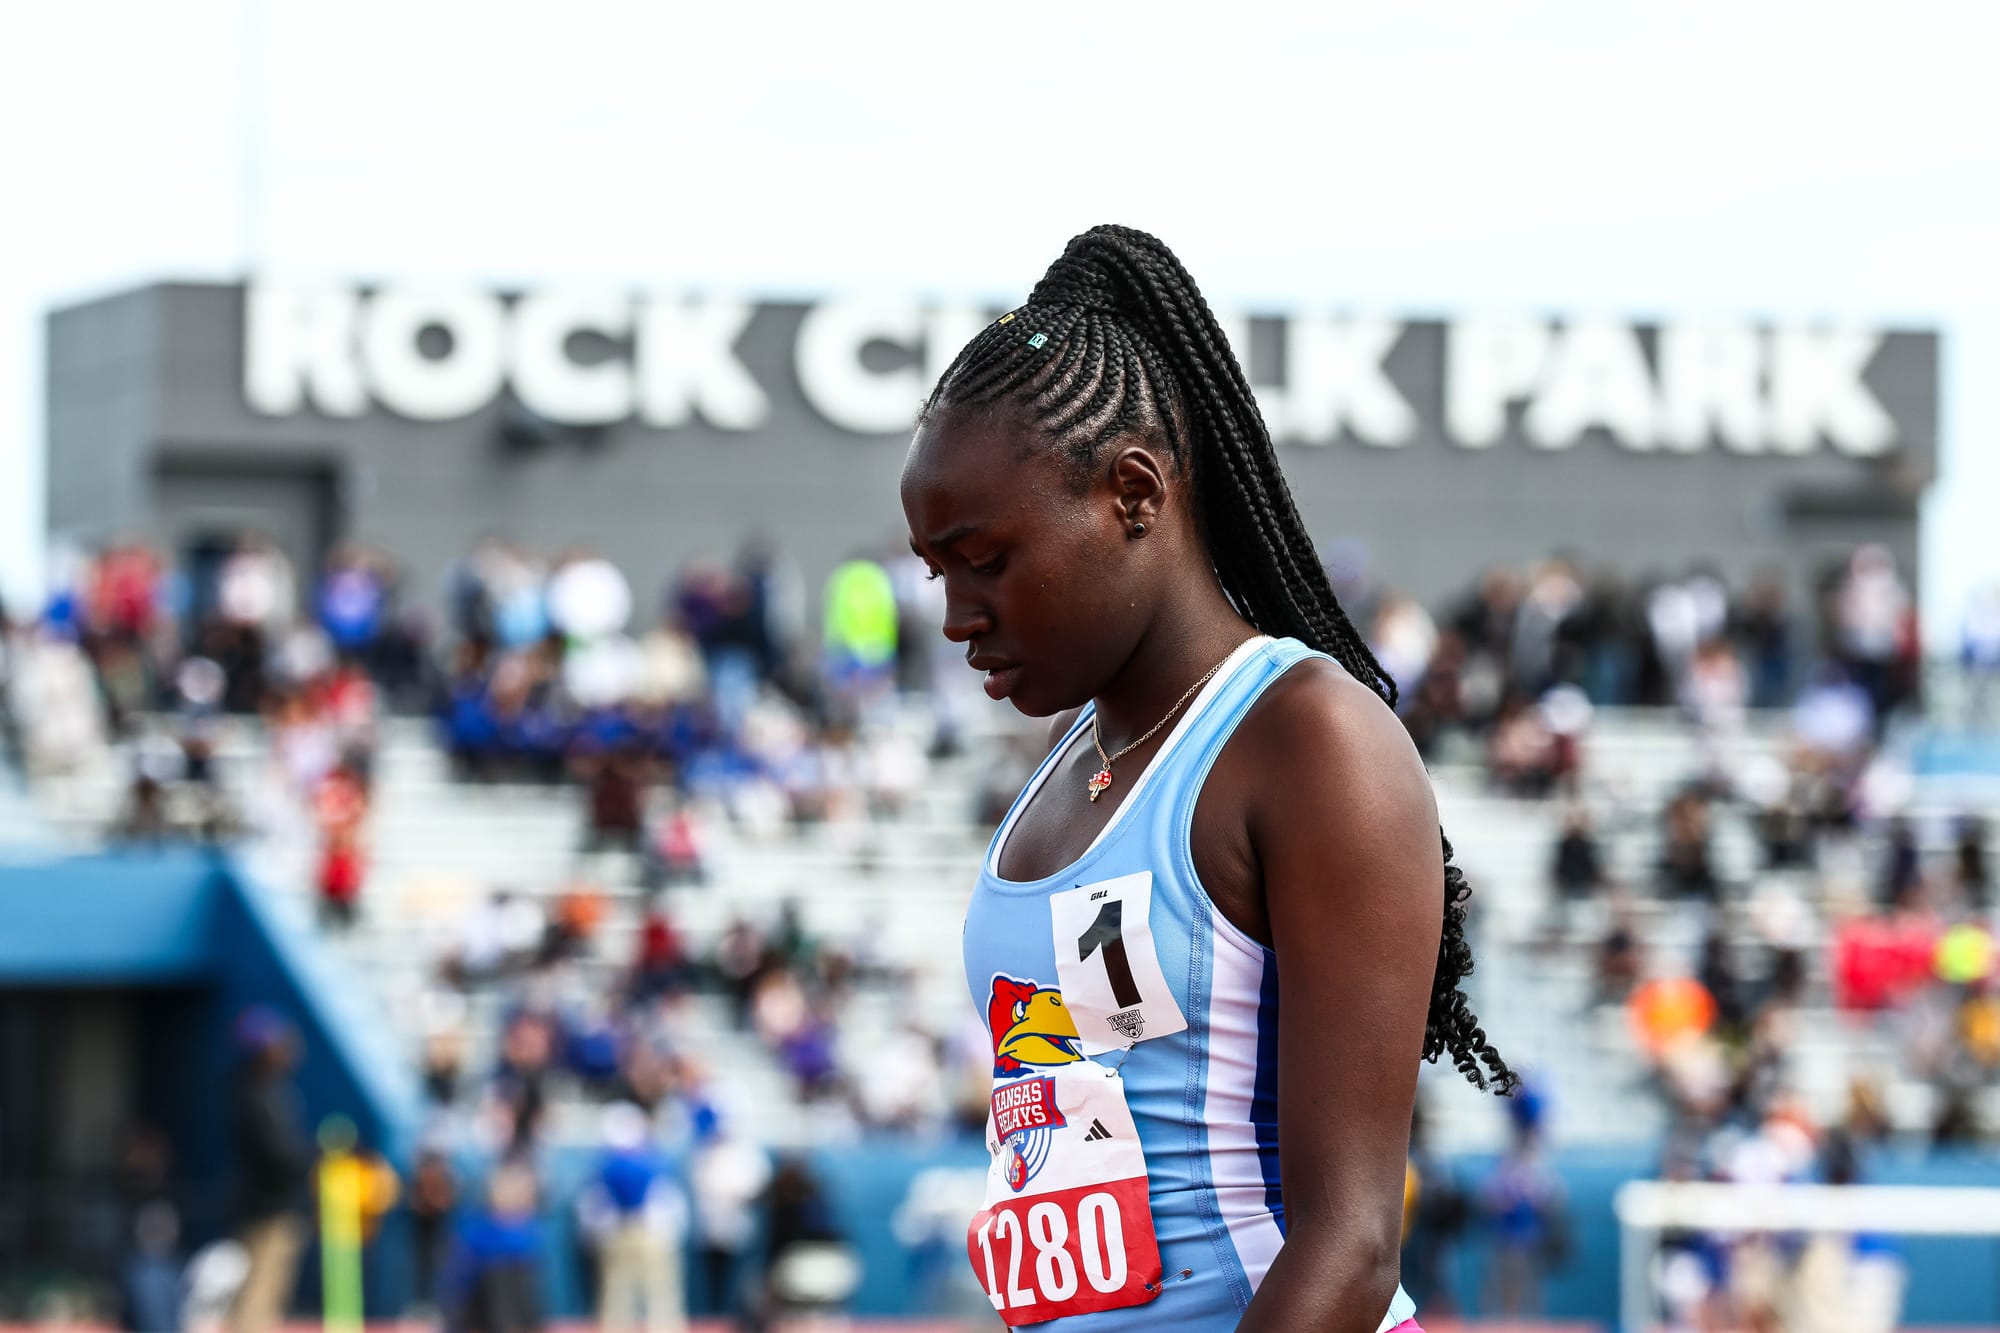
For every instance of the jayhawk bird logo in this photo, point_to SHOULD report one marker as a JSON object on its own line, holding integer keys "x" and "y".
{"x": 1030, "y": 1027}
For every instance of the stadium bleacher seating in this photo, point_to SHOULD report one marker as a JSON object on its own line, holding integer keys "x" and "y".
{"x": 893, "y": 890}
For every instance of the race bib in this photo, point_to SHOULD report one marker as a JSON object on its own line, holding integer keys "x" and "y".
{"x": 1106, "y": 964}
{"x": 1067, "y": 1228}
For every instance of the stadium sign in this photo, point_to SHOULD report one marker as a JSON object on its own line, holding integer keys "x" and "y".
{"x": 583, "y": 358}
{"x": 664, "y": 428}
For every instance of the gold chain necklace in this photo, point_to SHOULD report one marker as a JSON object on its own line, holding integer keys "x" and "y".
{"x": 1101, "y": 779}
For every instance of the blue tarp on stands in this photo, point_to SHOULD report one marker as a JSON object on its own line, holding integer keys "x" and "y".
{"x": 189, "y": 918}
{"x": 186, "y": 931}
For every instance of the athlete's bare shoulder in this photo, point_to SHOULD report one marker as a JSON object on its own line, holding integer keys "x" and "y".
{"x": 1318, "y": 700}
{"x": 1325, "y": 759}
{"x": 1312, "y": 736}
{"x": 1320, "y": 746}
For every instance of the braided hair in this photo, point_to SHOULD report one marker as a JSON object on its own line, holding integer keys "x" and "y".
{"x": 1115, "y": 341}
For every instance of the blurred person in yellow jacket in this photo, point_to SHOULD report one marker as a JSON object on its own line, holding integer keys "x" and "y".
{"x": 356, "y": 1188}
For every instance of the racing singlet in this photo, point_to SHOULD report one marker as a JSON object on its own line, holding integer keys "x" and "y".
{"x": 1133, "y": 1131}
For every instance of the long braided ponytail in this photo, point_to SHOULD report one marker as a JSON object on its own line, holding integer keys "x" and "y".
{"x": 1116, "y": 341}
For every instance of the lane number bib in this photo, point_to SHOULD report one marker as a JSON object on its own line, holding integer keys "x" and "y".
{"x": 1109, "y": 972}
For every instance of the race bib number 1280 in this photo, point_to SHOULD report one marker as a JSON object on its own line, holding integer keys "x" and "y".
{"x": 1067, "y": 1228}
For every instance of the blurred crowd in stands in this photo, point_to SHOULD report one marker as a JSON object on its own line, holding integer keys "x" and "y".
{"x": 619, "y": 1051}
{"x": 716, "y": 1224}
{"x": 1847, "y": 943}
{"x": 727, "y": 706}
{"x": 534, "y": 670}
{"x": 532, "y": 662}
{"x": 1523, "y": 658}
{"x": 1856, "y": 917}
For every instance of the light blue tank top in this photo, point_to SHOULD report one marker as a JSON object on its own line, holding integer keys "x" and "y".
{"x": 1203, "y": 1099}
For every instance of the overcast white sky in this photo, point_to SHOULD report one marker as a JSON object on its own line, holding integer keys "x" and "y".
{"x": 1638, "y": 159}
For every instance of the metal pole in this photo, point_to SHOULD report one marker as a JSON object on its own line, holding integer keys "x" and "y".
{"x": 1634, "y": 1269}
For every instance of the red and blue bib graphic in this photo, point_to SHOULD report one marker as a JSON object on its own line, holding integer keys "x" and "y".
{"x": 1067, "y": 1226}
{"x": 1025, "y": 1117}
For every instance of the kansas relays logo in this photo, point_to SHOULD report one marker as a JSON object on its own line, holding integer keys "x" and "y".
{"x": 1031, "y": 1030}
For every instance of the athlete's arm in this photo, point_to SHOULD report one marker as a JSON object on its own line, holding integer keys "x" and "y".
{"x": 1344, "y": 829}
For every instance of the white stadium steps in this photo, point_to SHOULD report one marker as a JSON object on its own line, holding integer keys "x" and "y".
{"x": 893, "y": 890}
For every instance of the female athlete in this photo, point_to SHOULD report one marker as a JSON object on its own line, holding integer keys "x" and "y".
{"x": 1219, "y": 926}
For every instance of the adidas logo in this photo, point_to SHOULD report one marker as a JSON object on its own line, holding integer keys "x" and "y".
{"x": 1096, "y": 1131}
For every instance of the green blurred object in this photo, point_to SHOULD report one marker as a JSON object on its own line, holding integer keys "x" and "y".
{"x": 861, "y": 613}
{"x": 1965, "y": 955}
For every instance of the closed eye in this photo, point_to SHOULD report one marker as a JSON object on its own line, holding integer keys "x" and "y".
{"x": 991, "y": 567}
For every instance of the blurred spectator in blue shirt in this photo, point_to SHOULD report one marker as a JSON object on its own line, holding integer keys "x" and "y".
{"x": 635, "y": 1213}
{"x": 1523, "y": 1199}
{"x": 494, "y": 1282}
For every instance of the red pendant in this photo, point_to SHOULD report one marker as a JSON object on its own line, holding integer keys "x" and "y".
{"x": 1098, "y": 782}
